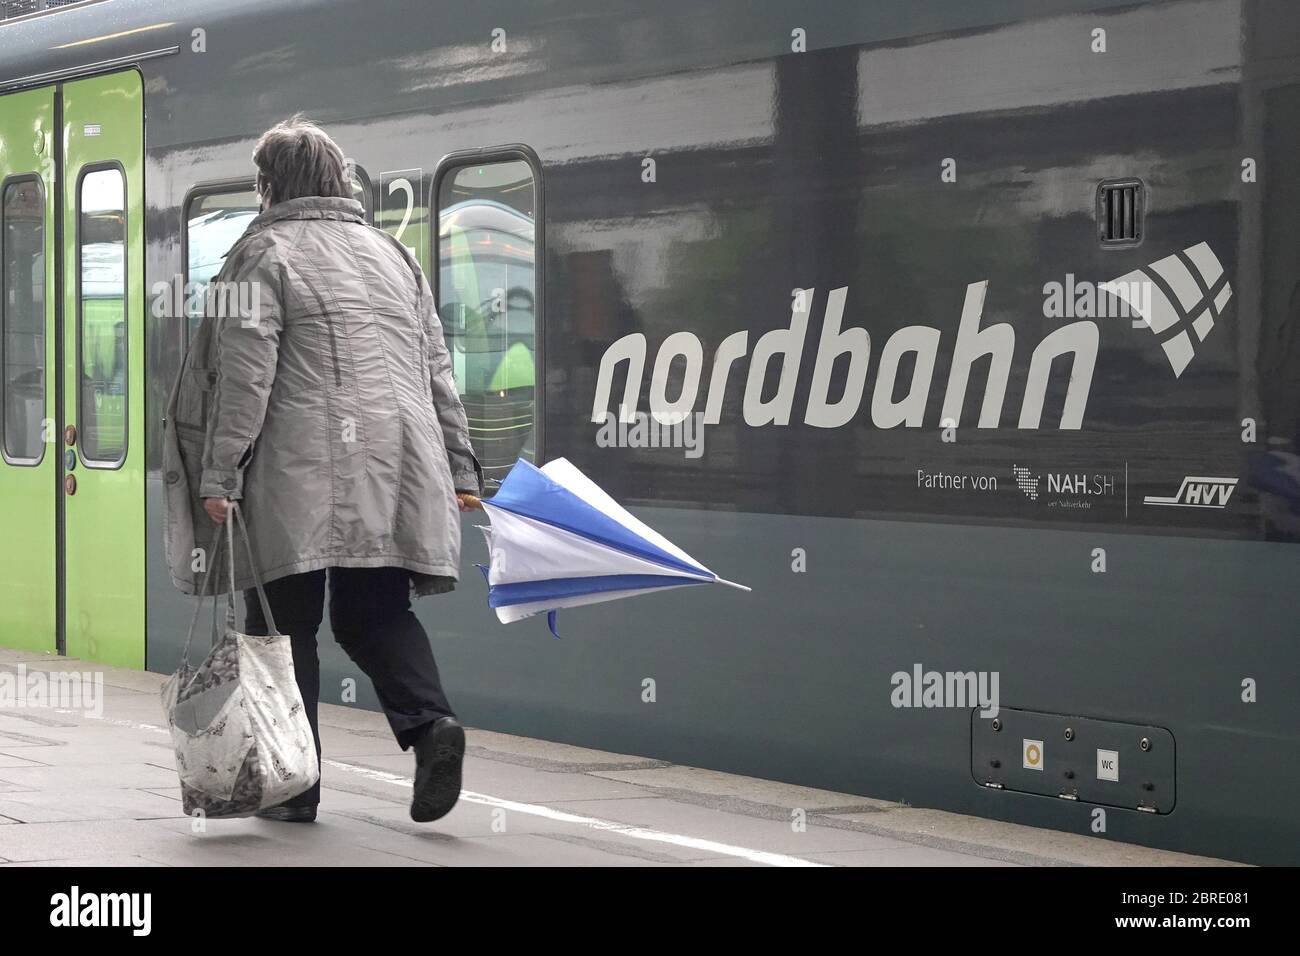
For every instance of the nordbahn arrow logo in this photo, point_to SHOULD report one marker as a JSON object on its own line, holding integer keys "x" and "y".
{"x": 1182, "y": 297}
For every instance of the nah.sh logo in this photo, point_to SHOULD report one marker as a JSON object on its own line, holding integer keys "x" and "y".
{"x": 1026, "y": 481}
{"x": 1179, "y": 297}
{"x": 1198, "y": 492}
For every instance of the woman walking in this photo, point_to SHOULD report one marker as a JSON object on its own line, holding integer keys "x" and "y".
{"x": 333, "y": 418}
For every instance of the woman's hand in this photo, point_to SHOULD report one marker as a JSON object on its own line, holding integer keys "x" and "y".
{"x": 468, "y": 502}
{"x": 217, "y": 509}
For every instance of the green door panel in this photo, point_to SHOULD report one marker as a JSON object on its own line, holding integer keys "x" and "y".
{"x": 27, "y": 481}
{"x": 103, "y": 367}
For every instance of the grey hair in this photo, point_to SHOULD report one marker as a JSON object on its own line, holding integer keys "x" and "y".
{"x": 297, "y": 158}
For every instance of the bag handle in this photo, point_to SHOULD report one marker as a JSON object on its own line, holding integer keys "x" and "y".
{"x": 214, "y": 551}
{"x": 238, "y": 513}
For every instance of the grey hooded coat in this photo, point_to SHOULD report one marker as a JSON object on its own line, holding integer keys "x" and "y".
{"x": 318, "y": 391}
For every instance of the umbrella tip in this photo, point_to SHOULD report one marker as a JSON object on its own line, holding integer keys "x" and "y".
{"x": 732, "y": 584}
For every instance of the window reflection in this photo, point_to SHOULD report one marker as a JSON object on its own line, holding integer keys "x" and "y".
{"x": 101, "y": 253}
{"x": 22, "y": 311}
{"x": 213, "y": 224}
{"x": 487, "y": 290}
{"x": 360, "y": 181}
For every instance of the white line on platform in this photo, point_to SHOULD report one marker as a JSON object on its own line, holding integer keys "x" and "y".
{"x": 548, "y": 813}
{"x": 116, "y": 722}
{"x": 595, "y": 823}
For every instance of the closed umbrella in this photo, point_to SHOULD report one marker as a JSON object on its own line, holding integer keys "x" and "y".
{"x": 558, "y": 540}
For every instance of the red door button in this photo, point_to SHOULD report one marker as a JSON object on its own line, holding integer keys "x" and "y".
{"x": 70, "y": 484}
{"x": 70, "y": 435}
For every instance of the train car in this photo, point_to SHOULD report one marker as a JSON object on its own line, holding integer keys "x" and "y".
{"x": 978, "y": 321}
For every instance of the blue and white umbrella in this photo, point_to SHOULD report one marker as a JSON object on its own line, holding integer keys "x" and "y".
{"x": 558, "y": 540}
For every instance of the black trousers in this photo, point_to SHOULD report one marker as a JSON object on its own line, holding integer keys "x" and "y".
{"x": 371, "y": 616}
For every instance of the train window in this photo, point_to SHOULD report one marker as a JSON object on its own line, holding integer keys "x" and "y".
{"x": 487, "y": 300}
{"x": 361, "y": 189}
{"x": 101, "y": 316}
{"x": 22, "y": 318}
{"x": 214, "y": 220}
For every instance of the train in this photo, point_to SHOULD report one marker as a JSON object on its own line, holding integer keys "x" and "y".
{"x": 977, "y": 321}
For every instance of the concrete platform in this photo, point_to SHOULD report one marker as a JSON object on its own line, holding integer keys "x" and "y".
{"x": 86, "y": 789}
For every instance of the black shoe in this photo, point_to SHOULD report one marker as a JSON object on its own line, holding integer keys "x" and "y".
{"x": 286, "y": 814}
{"x": 438, "y": 758}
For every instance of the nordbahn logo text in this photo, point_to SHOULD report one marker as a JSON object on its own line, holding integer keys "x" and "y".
{"x": 1180, "y": 323}
{"x": 1197, "y": 492}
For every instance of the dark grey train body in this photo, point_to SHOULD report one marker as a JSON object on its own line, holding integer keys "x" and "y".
{"x": 918, "y": 167}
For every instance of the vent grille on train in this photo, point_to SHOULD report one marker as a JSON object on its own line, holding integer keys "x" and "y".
{"x": 9, "y": 9}
{"x": 1120, "y": 205}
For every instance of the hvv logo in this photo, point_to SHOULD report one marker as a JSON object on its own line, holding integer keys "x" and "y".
{"x": 1189, "y": 294}
{"x": 1197, "y": 492}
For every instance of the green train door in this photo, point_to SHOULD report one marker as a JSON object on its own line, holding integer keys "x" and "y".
{"x": 28, "y": 437}
{"x": 101, "y": 433}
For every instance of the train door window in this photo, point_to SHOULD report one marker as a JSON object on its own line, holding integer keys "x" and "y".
{"x": 487, "y": 296}
{"x": 22, "y": 317}
{"x": 101, "y": 315}
{"x": 215, "y": 218}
